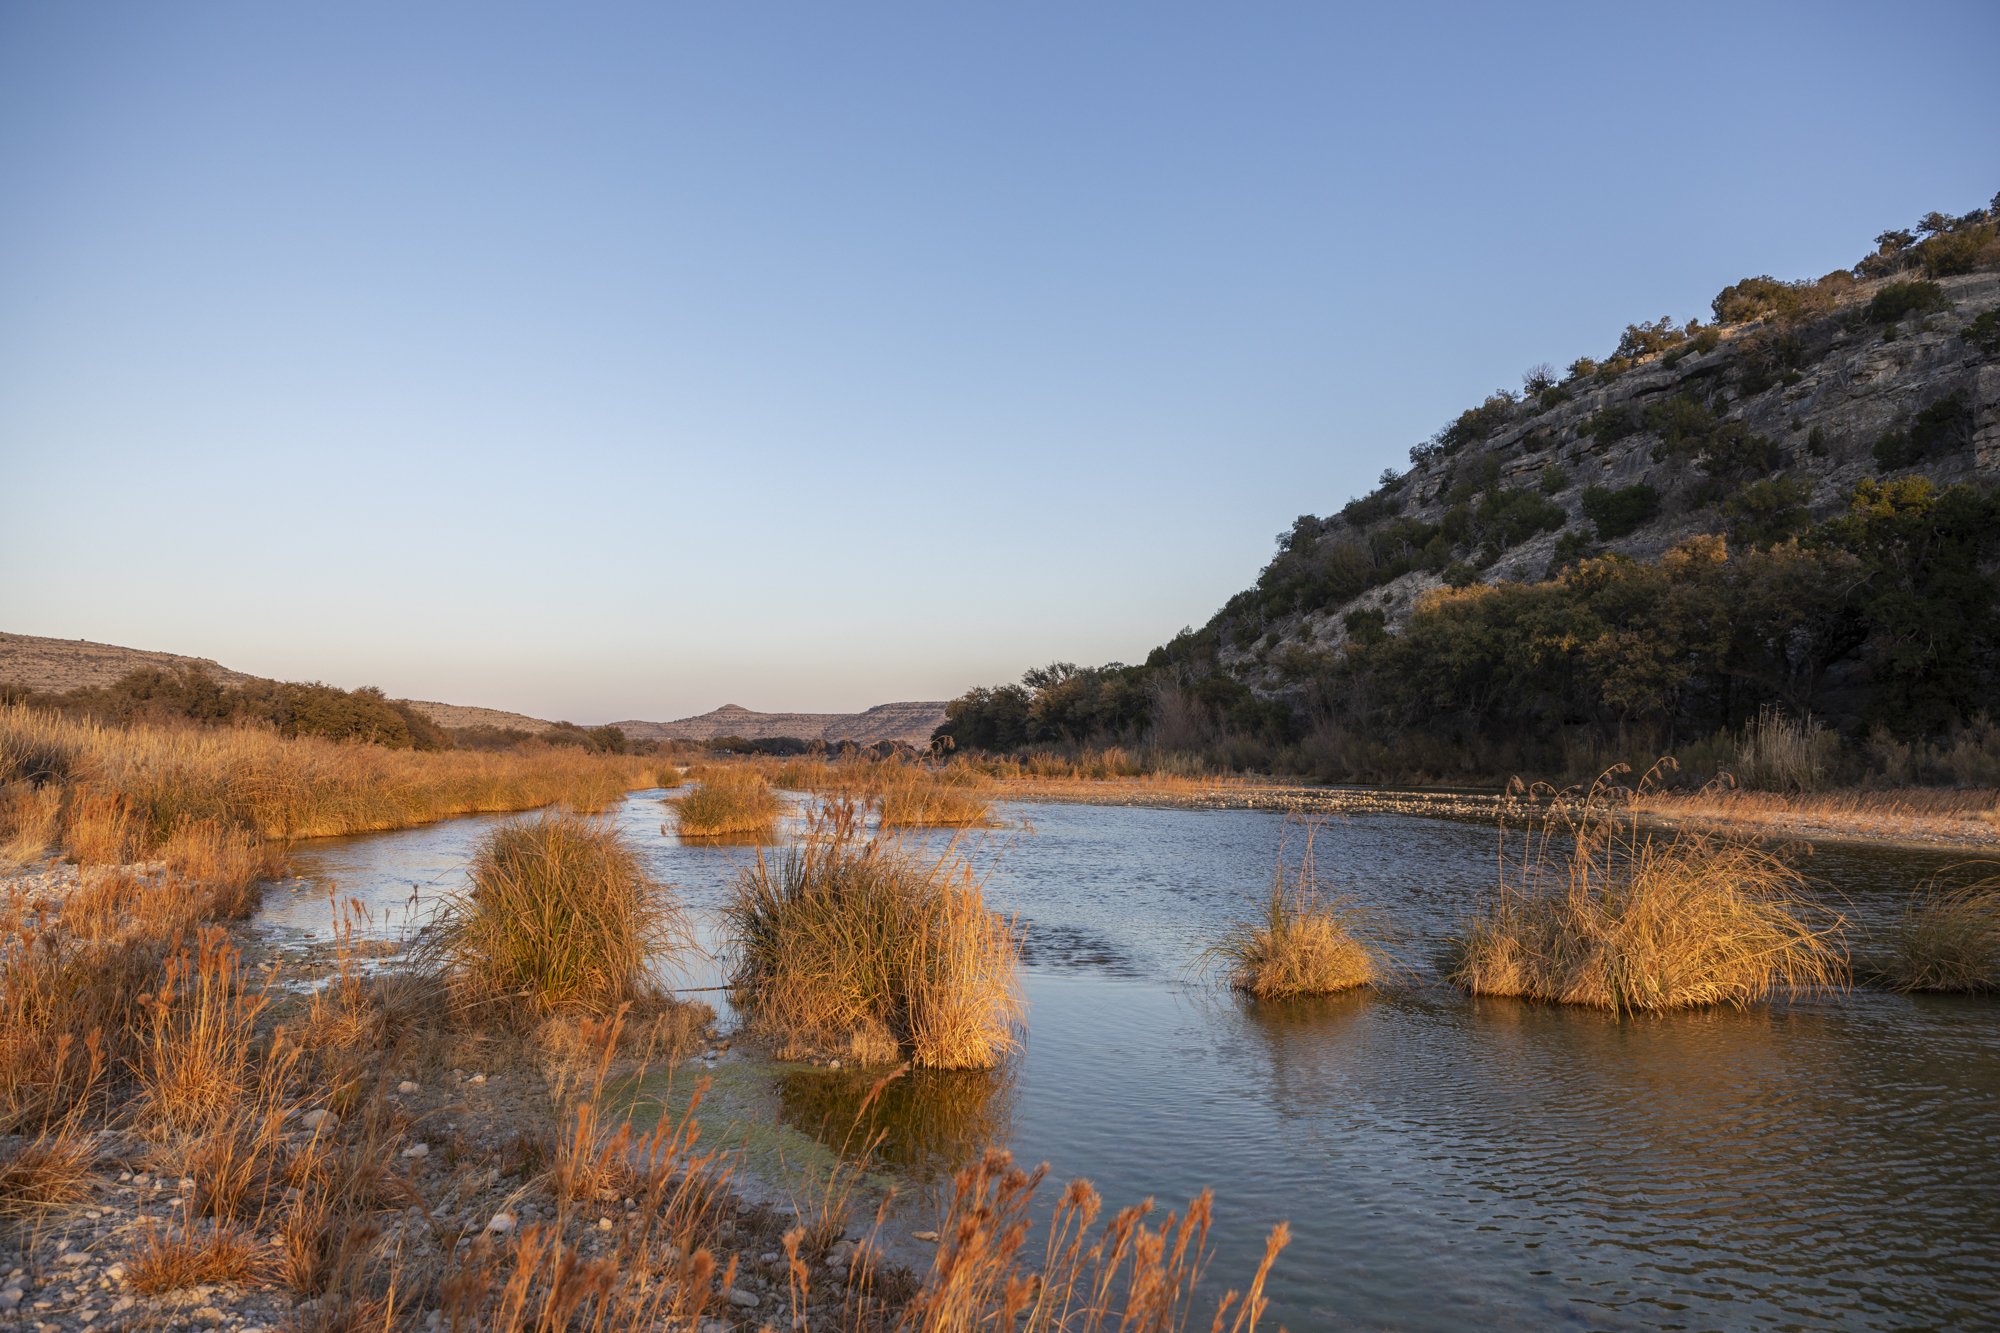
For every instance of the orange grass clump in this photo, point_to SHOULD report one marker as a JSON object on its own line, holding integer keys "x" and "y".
{"x": 560, "y": 913}
{"x": 836, "y": 933}
{"x": 728, "y": 800}
{"x": 1624, "y": 922}
{"x": 1305, "y": 941}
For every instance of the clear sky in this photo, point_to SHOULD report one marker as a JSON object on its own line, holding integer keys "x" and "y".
{"x": 609, "y": 361}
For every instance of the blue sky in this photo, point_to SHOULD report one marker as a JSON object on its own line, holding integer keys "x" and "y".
{"x": 602, "y": 361}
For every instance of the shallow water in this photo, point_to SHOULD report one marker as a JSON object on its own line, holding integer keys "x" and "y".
{"x": 1445, "y": 1162}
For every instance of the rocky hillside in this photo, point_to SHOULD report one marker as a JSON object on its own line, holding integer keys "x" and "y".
{"x": 57, "y": 666}
{"x": 1755, "y": 428}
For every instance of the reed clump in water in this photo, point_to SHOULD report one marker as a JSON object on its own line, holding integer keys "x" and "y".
{"x": 837, "y": 933}
{"x": 1304, "y": 941}
{"x": 560, "y": 914}
{"x": 725, "y": 800}
{"x": 1596, "y": 913}
{"x": 921, "y": 799}
{"x": 1949, "y": 940}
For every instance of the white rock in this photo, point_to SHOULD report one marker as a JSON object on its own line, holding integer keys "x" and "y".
{"x": 746, "y": 1299}
{"x": 315, "y": 1119}
{"x": 406, "y": 1087}
{"x": 417, "y": 1150}
{"x": 477, "y": 1078}
{"x": 116, "y": 1272}
{"x": 930, "y": 1236}
{"x": 10, "y": 1298}
{"x": 502, "y": 1222}
{"x": 604, "y": 1224}
{"x": 74, "y": 1259}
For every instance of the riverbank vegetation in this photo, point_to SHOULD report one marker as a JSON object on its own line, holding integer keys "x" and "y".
{"x": 867, "y": 945}
{"x": 1594, "y": 911}
{"x": 207, "y": 799}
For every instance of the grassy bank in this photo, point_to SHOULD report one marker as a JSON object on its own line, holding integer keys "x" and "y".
{"x": 110, "y": 794}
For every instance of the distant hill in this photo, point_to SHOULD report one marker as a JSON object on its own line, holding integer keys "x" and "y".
{"x": 54, "y": 666}
{"x": 909, "y": 722}
{"x": 466, "y": 715}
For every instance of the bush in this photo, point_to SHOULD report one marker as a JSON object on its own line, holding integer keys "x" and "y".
{"x": 1790, "y": 302}
{"x": 1940, "y": 428}
{"x": 1643, "y": 339}
{"x": 1554, "y": 396}
{"x": 1571, "y": 547}
{"x": 1611, "y": 423}
{"x": 727, "y": 801}
{"x": 1984, "y": 332}
{"x": 1899, "y": 300}
{"x": 1554, "y": 478}
{"x": 1617, "y": 513}
{"x": 1769, "y": 511}
{"x": 1959, "y": 250}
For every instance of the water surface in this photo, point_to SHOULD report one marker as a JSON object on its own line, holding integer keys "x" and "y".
{"x": 1445, "y": 1162}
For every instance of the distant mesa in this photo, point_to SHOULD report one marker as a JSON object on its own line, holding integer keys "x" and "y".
{"x": 912, "y": 723}
{"x": 56, "y": 666}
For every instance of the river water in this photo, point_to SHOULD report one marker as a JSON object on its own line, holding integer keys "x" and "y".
{"x": 1445, "y": 1162}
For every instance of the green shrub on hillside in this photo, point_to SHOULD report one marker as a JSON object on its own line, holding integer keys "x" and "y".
{"x": 1940, "y": 428}
{"x": 1984, "y": 332}
{"x": 1960, "y": 249}
{"x": 1899, "y": 300}
{"x": 1644, "y": 339}
{"x": 1554, "y": 478}
{"x": 1768, "y": 511}
{"x": 1571, "y": 547}
{"x": 1620, "y": 512}
{"x": 1611, "y": 423}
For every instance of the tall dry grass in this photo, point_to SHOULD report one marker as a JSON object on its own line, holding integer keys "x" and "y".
{"x": 837, "y": 933}
{"x": 1949, "y": 940}
{"x": 560, "y": 913}
{"x": 1781, "y": 752}
{"x": 140, "y": 782}
{"x": 1304, "y": 941}
{"x": 1595, "y": 912}
{"x": 925, "y": 800}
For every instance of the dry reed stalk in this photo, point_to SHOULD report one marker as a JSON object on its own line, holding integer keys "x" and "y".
{"x": 837, "y": 932}
{"x": 186, "y": 1255}
{"x": 560, "y": 913}
{"x": 203, "y": 1017}
{"x": 30, "y": 822}
{"x": 1623, "y": 922}
{"x": 1305, "y": 941}
{"x": 97, "y": 828}
{"x": 45, "y": 1172}
{"x": 1949, "y": 940}
{"x": 1128, "y": 1276}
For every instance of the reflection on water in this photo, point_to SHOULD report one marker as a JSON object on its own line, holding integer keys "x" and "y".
{"x": 929, "y": 1120}
{"x": 1446, "y": 1162}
